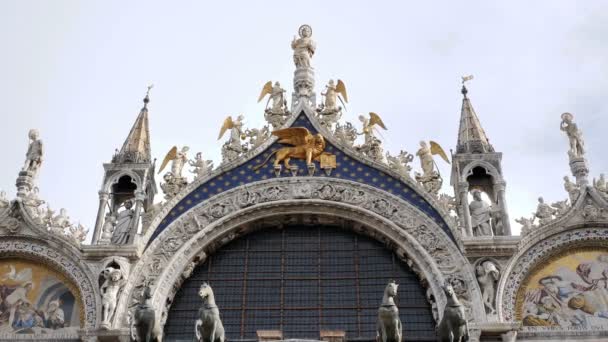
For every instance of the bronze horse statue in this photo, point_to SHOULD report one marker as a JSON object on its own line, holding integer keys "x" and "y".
{"x": 453, "y": 326}
{"x": 389, "y": 324}
{"x": 208, "y": 327}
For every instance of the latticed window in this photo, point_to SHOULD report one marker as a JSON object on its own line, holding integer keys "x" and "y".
{"x": 301, "y": 280}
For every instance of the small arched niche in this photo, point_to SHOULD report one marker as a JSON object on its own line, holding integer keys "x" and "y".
{"x": 122, "y": 191}
{"x": 480, "y": 179}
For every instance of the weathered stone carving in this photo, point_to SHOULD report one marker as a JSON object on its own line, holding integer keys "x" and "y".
{"x": 4, "y": 202}
{"x": 78, "y": 233}
{"x": 487, "y": 276}
{"x": 430, "y": 179}
{"x": 330, "y": 112}
{"x": 453, "y": 326}
{"x": 114, "y": 280}
{"x": 400, "y": 163}
{"x": 527, "y": 225}
{"x": 34, "y": 155}
{"x": 544, "y": 212}
{"x": 278, "y": 113}
{"x": 108, "y": 228}
{"x": 575, "y": 136}
{"x": 561, "y": 207}
{"x": 601, "y": 186}
{"x": 201, "y": 167}
{"x": 389, "y": 323}
{"x": 172, "y": 185}
{"x": 480, "y": 215}
{"x": 208, "y": 326}
{"x": 372, "y": 146}
{"x": 144, "y": 325}
{"x": 346, "y": 134}
{"x": 257, "y": 136}
{"x": 572, "y": 189}
{"x": 174, "y": 181}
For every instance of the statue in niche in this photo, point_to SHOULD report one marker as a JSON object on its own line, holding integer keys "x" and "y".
{"x": 389, "y": 323}
{"x": 480, "y": 215}
{"x": 201, "y": 167}
{"x": 122, "y": 230}
{"x": 453, "y": 326}
{"x": 329, "y": 112}
{"x": 144, "y": 326}
{"x": 108, "y": 228}
{"x": 572, "y": 189}
{"x": 487, "y": 276}
{"x": 544, "y": 212}
{"x": 35, "y": 152}
{"x": 114, "y": 280}
{"x": 575, "y": 136}
{"x": 208, "y": 326}
{"x": 277, "y": 114}
{"x": 303, "y": 47}
{"x": 430, "y": 178}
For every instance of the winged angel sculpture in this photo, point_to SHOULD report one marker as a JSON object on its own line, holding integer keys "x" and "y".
{"x": 329, "y": 112}
{"x": 430, "y": 178}
{"x": 305, "y": 146}
{"x": 277, "y": 114}
{"x": 233, "y": 148}
{"x": 174, "y": 181}
{"x": 372, "y": 146}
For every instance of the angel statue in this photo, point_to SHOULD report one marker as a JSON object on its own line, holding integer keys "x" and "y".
{"x": 303, "y": 47}
{"x": 329, "y": 111}
{"x": 430, "y": 178}
{"x": 575, "y": 136}
{"x": 277, "y": 114}
{"x": 372, "y": 145}
{"x": 174, "y": 181}
{"x": 233, "y": 147}
{"x": 201, "y": 167}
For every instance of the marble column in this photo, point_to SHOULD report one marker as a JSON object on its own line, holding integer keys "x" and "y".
{"x": 140, "y": 196}
{"x": 499, "y": 188}
{"x": 103, "y": 202}
{"x": 464, "y": 207}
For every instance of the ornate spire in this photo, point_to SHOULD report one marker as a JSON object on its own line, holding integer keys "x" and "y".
{"x": 136, "y": 148}
{"x": 471, "y": 136}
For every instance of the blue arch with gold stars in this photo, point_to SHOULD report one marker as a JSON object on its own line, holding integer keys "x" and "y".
{"x": 347, "y": 168}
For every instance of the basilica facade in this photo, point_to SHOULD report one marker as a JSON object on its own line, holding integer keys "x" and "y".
{"x": 307, "y": 230}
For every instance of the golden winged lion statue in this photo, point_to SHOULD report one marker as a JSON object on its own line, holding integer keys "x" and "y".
{"x": 305, "y": 146}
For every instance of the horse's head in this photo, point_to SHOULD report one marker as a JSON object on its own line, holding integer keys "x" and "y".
{"x": 391, "y": 288}
{"x": 205, "y": 292}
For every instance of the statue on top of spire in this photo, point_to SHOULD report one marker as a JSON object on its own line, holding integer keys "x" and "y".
{"x": 303, "y": 47}
{"x": 575, "y": 137}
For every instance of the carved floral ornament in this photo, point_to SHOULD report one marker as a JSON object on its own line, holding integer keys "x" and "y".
{"x": 221, "y": 219}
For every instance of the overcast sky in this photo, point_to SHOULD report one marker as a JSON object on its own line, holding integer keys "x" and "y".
{"x": 78, "y": 71}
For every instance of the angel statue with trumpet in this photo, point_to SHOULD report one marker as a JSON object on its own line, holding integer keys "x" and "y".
{"x": 233, "y": 148}
{"x": 277, "y": 114}
{"x": 430, "y": 178}
{"x": 372, "y": 146}
{"x": 329, "y": 111}
{"x": 174, "y": 181}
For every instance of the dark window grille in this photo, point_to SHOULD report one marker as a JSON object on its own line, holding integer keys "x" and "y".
{"x": 300, "y": 280}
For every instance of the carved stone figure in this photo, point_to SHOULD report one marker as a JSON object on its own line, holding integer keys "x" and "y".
{"x": 60, "y": 222}
{"x": 124, "y": 219}
{"x": 346, "y": 134}
{"x": 372, "y": 146}
{"x": 257, "y": 136}
{"x": 527, "y": 225}
{"x": 305, "y": 146}
{"x": 389, "y": 324}
{"x": 575, "y": 136}
{"x": 480, "y": 215}
{"x": 112, "y": 285}
{"x": 572, "y": 189}
{"x": 108, "y": 228}
{"x": 400, "y": 163}
{"x": 303, "y": 47}
{"x": 453, "y": 326}
{"x": 277, "y": 114}
{"x": 144, "y": 327}
{"x": 4, "y": 202}
{"x": 329, "y": 112}
{"x": 497, "y": 224}
{"x": 172, "y": 185}
{"x": 178, "y": 160}
{"x": 600, "y": 185}
{"x": 544, "y": 212}
{"x": 233, "y": 148}
{"x": 78, "y": 233}
{"x": 201, "y": 167}
{"x": 35, "y": 152}
{"x": 487, "y": 276}
{"x": 208, "y": 326}
{"x": 561, "y": 207}
{"x": 430, "y": 178}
